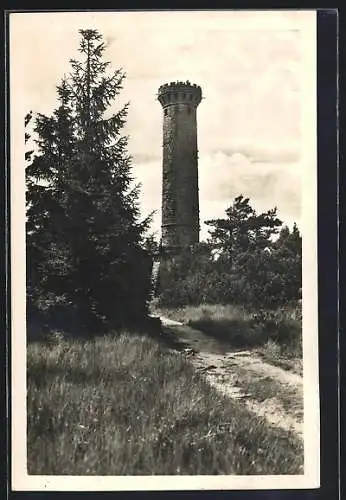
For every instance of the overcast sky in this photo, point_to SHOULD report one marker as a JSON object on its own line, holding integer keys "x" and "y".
{"x": 250, "y": 67}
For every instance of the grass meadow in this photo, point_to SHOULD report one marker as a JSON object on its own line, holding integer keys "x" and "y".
{"x": 124, "y": 404}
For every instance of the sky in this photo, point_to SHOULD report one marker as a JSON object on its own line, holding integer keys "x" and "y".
{"x": 250, "y": 66}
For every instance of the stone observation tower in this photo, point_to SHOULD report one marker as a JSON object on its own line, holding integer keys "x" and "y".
{"x": 180, "y": 205}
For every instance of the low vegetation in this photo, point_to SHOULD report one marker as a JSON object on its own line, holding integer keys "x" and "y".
{"x": 248, "y": 261}
{"x": 276, "y": 335}
{"x": 279, "y": 355}
{"x": 126, "y": 405}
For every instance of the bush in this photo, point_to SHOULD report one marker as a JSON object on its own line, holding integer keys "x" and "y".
{"x": 255, "y": 281}
{"x": 240, "y": 264}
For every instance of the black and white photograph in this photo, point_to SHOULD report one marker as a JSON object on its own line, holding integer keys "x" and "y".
{"x": 164, "y": 250}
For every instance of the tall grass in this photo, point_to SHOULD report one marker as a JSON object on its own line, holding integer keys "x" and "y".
{"x": 124, "y": 405}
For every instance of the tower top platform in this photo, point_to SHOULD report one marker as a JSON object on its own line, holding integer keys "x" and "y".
{"x": 179, "y": 92}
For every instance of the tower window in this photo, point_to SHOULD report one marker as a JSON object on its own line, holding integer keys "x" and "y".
{"x": 166, "y": 111}
{"x": 190, "y": 97}
{"x": 184, "y": 95}
{"x": 189, "y": 110}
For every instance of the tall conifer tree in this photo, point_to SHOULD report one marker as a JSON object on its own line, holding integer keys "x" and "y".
{"x": 84, "y": 234}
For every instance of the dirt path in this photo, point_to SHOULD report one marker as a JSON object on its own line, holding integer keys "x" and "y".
{"x": 269, "y": 391}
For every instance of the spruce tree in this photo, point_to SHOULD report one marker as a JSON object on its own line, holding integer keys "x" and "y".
{"x": 84, "y": 234}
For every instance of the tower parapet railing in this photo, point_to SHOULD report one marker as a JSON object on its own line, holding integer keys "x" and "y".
{"x": 174, "y": 92}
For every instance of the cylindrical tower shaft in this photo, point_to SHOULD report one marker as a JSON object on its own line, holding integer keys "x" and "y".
{"x": 180, "y": 204}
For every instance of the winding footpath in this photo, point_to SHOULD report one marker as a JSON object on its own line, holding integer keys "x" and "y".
{"x": 266, "y": 390}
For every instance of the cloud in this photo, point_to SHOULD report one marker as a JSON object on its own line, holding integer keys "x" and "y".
{"x": 261, "y": 154}
{"x": 222, "y": 177}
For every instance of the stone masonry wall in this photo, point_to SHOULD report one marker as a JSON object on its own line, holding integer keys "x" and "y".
{"x": 180, "y": 208}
